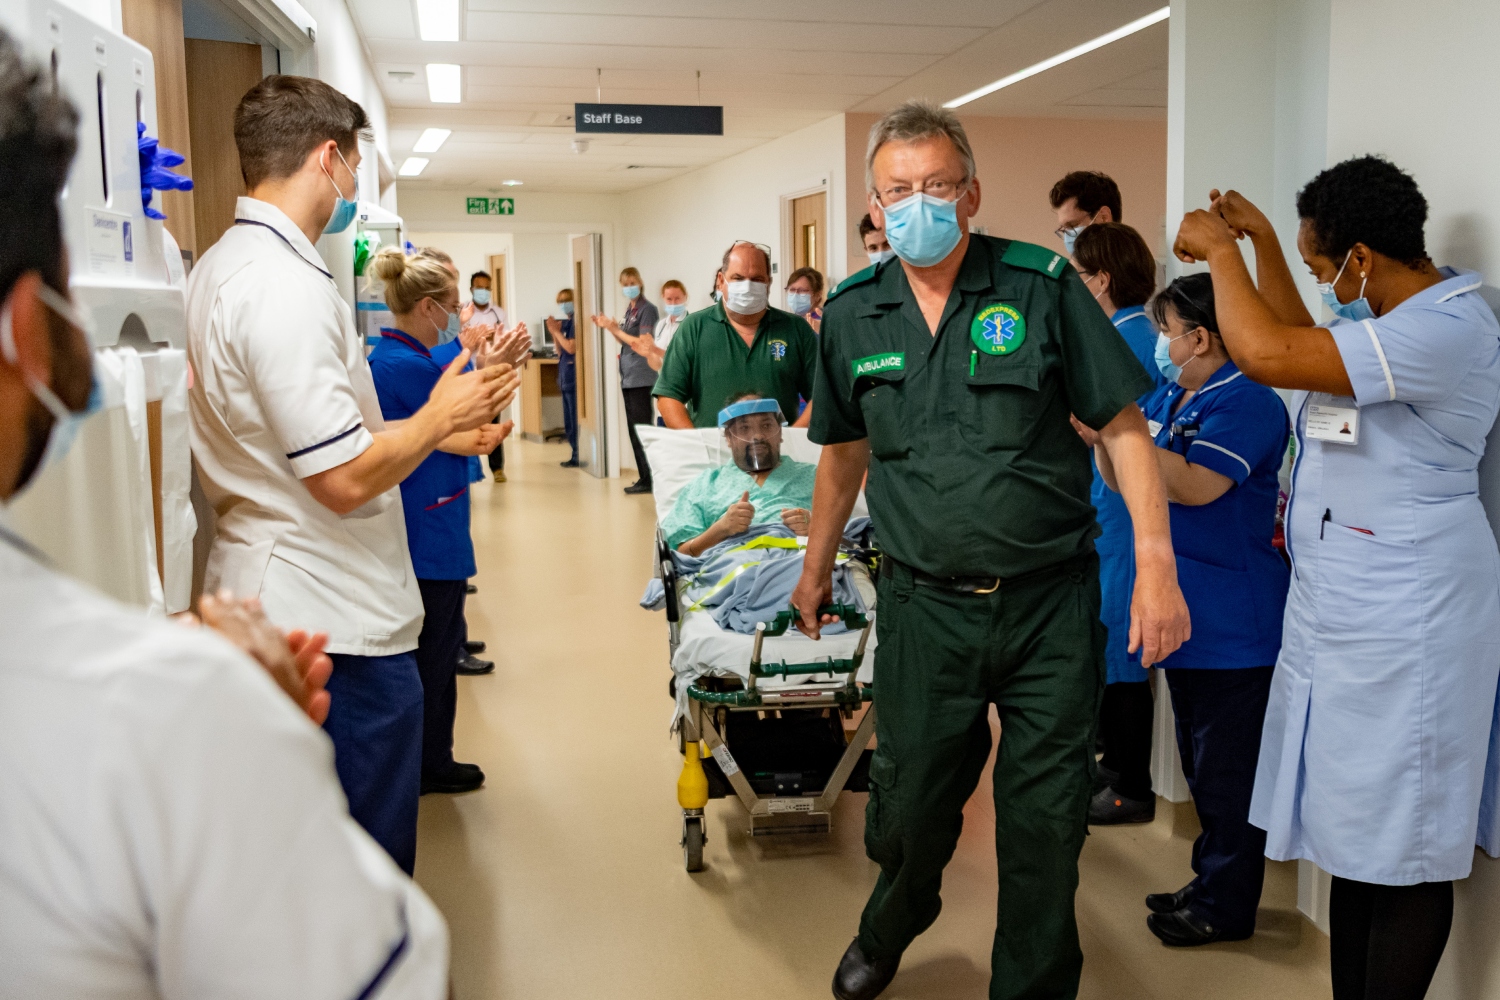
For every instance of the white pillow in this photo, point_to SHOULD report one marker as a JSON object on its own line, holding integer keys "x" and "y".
{"x": 677, "y": 457}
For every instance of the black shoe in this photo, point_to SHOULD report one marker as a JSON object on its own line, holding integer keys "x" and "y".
{"x": 1110, "y": 808}
{"x": 473, "y": 666}
{"x": 1187, "y": 928}
{"x": 472, "y": 646}
{"x": 1171, "y": 902}
{"x": 571, "y": 463}
{"x": 861, "y": 978}
{"x": 638, "y": 487}
{"x": 1103, "y": 778}
{"x": 469, "y": 588}
{"x": 455, "y": 780}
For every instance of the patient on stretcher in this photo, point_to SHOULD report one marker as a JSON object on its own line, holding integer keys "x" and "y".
{"x": 760, "y": 487}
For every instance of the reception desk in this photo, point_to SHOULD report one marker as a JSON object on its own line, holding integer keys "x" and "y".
{"x": 539, "y": 417}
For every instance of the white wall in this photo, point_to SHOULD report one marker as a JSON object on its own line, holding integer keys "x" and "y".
{"x": 1416, "y": 82}
{"x": 681, "y": 227}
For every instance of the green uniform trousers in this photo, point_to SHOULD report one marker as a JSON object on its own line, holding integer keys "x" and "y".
{"x": 1035, "y": 649}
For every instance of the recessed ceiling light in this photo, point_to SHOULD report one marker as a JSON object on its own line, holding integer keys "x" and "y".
{"x": 431, "y": 140}
{"x": 512, "y": 184}
{"x": 412, "y": 166}
{"x": 437, "y": 20}
{"x": 444, "y": 83}
{"x": 1062, "y": 57}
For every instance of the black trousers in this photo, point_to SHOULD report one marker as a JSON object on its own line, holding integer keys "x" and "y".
{"x": 1386, "y": 940}
{"x": 570, "y": 418}
{"x": 1219, "y": 719}
{"x": 497, "y": 457}
{"x": 638, "y": 411}
{"x": 1126, "y": 716}
{"x": 438, "y": 649}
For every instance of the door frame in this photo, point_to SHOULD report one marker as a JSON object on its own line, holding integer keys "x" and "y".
{"x": 822, "y": 184}
{"x": 593, "y": 409}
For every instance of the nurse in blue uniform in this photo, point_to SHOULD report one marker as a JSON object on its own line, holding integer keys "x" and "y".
{"x": 1376, "y": 762}
{"x": 423, "y": 296}
{"x": 1220, "y": 442}
{"x": 1119, "y": 271}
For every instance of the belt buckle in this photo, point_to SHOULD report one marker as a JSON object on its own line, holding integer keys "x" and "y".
{"x": 989, "y": 590}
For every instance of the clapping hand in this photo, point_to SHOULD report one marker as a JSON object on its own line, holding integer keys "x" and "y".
{"x": 1243, "y": 218}
{"x": 473, "y": 337}
{"x": 295, "y": 660}
{"x": 1090, "y": 436}
{"x": 1201, "y": 233}
{"x": 606, "y": 322}
{"x": 510, "y": 347}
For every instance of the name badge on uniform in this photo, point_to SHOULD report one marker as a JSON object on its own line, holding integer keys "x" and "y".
{"x": 1334, "y": 424}
{"x": 1154, "y": 426}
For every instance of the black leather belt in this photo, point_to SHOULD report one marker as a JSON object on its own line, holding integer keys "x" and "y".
{"x": 958, "y": 584}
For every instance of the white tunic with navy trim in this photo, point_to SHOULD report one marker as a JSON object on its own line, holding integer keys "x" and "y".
{"x": 1375, "y": 760}
{"x": 283, "y": 392}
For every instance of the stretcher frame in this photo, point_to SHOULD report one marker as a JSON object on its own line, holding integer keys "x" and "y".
{"x": 707, "y": 715}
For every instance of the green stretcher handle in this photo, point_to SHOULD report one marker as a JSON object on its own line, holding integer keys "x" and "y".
{"x": 847, "y": 613}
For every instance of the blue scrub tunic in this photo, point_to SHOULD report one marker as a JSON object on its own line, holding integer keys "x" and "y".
{"x": 1232, "y": 577}
{"x": 444, "y": 355}
{"x": 436, "y": 495}
{"x": 1378, "y": 758}
{"x": 1116, "y": 542}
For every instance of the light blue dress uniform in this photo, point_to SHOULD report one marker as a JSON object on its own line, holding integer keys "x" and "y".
{"x": 1116, "y": 543}
{"x": 1376, "y": 759}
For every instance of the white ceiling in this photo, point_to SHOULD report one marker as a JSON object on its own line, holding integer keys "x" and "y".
{"x": 775, "y": 66}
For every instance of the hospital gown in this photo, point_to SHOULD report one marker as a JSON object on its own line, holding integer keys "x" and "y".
{"x": 705, "y": 499}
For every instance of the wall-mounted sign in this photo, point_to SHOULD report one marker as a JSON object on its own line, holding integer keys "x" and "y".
{"x": 491, "y": 206}
{"x": 651, "y": 119}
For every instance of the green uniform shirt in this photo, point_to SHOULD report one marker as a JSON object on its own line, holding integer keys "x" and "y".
{"x": 707, "y": 362}
{"x": 975, "y": 469}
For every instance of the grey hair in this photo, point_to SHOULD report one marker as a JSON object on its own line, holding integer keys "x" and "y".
{"x": 913, "y": 120}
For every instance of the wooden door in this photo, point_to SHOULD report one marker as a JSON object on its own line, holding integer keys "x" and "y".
{"x": 810, "y": 232}
{"x": 157, "y": 24}
{"x": 218, "y": 75}
{"x": 587, "y": 301}
{"x": 497, "y": 285}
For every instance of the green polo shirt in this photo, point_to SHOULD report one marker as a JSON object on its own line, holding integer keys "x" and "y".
{"x": 707, "y": 362}
{"x": 974, "y": 468}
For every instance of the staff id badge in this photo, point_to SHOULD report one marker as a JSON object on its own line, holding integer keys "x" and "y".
{"x": 1334, "y": 424}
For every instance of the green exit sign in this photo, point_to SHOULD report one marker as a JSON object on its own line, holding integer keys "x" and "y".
{"x": 492, "y": 206}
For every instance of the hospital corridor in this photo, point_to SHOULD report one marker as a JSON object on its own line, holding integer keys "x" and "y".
{"x": 685, "y": 500}
{"x": 563, "y": 877}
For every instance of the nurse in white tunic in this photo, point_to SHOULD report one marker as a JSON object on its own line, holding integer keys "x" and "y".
{"x": 1373, "y": 762}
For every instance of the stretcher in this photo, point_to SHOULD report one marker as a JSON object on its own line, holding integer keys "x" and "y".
{"x": 762, "y": 718}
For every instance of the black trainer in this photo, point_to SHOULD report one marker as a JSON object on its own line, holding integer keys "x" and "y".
{"x": 454, "y": 780}
{"x": 473, "y": 646}
{"x": 1171, "y": 902}
{"x": 473, "y": 666}
{"x": 571, "y": 463}
{"x": 1187, "y": 928}
{"x": 1110, "y": 808}
{"x": 861, "y": 978}
{"x": 638, "y": 487}
{"x": 469, "y": 588}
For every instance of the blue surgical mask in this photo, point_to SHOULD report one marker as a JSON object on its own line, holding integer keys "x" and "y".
{"x": 676, "y": 310}
{"x": 1357, "y": 310}
{"x": 446, "y": 334}
{"x": 923, "y": 230}
{"x": 1164, "y": 357}
{"x": 880, "y": 257}
{"x": 66, "y": 423}
{"x": 481, "y": 296}
{"x": 566, "y": 307}
{"x": 632, "y": 292}
{"x": 343, "y": 208}
{"x": 799, "y": 302}
{"x": 1070, "y": 237}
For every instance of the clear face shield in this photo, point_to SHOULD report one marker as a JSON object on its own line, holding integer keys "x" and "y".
{"x": 753, "y": 429}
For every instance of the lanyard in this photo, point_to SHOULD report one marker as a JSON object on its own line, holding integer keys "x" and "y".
{"x": 402, "y": 337}
{"x": 263, "y": 225}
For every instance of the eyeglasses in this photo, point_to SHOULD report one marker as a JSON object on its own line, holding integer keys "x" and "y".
{"x": 943, "y": 190}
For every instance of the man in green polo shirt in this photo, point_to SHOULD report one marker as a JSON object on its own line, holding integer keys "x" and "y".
{"x": 738, "y": 344}
{"x": 951, "y": 375}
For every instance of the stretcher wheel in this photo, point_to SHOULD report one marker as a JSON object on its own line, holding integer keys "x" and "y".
{"x": 692, "y": 843}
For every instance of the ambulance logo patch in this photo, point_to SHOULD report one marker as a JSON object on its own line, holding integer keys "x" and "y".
{"x": 778, "y": 350}
{"x": 998, "y": 329}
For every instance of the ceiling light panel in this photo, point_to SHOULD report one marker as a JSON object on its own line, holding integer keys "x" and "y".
{"x": 431, "y": 140}
{"x": 437, "y": 20}
{"x": 444, "y": 83}
{"x": 1138, "y": 24}
{"x": 412, "y": 166}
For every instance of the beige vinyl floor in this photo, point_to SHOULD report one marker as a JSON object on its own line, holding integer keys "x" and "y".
{"x": 562, "y": 877}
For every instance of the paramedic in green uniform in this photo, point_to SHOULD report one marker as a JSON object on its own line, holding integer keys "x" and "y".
{"x": 952, "y": 376}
